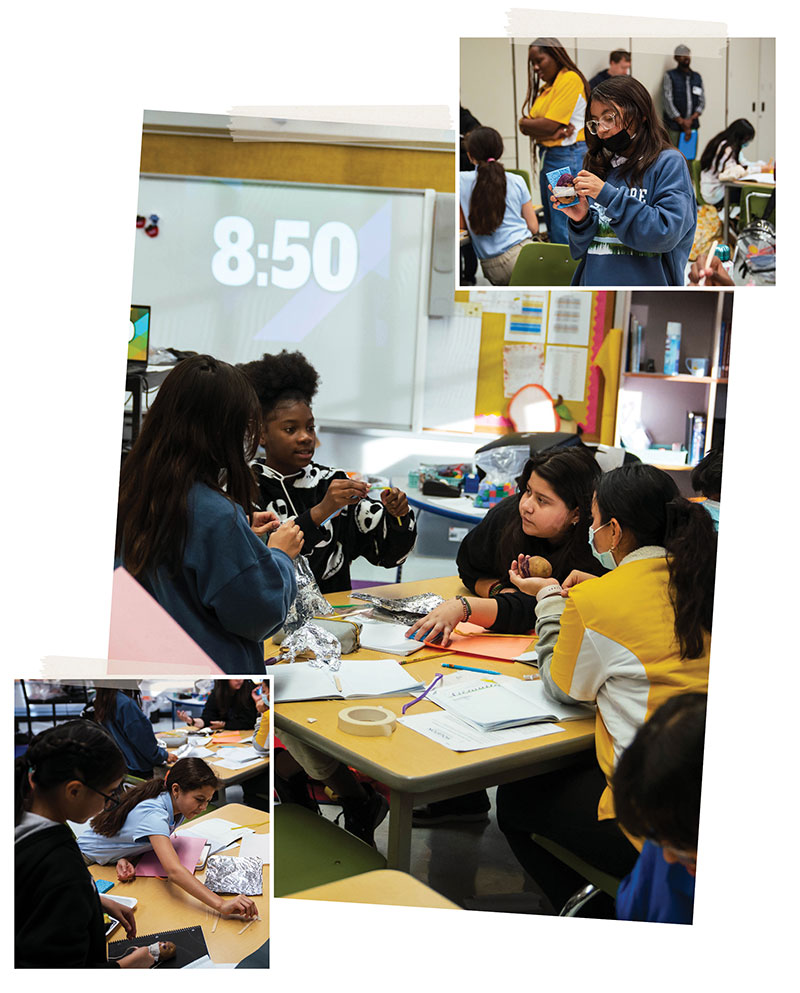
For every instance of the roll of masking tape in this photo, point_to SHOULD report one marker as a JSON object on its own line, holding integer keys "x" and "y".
{"x": 369, "y": 721}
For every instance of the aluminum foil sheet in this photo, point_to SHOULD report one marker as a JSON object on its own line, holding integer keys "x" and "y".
{"x": 405, "y": 610}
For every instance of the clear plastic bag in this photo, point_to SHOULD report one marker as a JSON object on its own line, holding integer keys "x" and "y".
{"x": 503, "y": 465}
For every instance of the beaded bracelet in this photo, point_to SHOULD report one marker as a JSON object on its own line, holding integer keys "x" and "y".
{"x": 495, "y": 588}
{"x": 467, "y": 608}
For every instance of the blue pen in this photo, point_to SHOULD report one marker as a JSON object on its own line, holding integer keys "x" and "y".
{"x": 469, "y": 668}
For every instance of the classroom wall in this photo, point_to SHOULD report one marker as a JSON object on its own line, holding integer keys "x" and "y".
{"x": 736, "y": 72}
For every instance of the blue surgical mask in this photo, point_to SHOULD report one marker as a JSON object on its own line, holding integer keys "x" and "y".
{"x": 712, "y": 506}
{"x": 606, "y": 559}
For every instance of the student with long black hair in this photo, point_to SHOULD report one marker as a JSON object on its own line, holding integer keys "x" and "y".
{"x": 186, "y": 507}
{"x": 724, "y": 150}
{"x": 552, "y": 117}
{"x": 121, "y": 715}
{"x": 495, "y": 207}
{"x": 68, "y": 773}
{"x": 340, "y": 521}
{"x": 639, "y": 227}
{"x": 626, "y": 641}
{"x": 548, "y": 517}
{"x": 144, "y": 820}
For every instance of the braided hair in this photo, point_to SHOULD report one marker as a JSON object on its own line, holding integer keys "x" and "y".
{"x": 80, "y": 750}
{"x": 188, "y": 774}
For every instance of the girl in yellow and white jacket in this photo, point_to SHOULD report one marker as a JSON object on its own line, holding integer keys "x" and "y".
{"x": 625, "y": 641}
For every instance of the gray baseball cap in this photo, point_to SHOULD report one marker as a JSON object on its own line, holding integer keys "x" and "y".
{"x": 682, "y": 50}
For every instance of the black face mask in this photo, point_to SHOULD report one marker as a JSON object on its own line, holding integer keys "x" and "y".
{"x": 617, "y": 142}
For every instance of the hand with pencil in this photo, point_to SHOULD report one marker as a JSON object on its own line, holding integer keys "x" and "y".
{"x": 395, "y": 502}
{"x": 341, "y": 493}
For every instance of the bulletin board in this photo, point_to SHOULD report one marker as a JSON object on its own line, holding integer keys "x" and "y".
{"x": 547, "y": 337}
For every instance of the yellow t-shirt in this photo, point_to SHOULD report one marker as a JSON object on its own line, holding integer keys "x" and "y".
{"x": 563, "y": 100}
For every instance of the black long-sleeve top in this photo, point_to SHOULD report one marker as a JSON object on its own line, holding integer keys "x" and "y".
{"x": 365, "y": 529}
{"x": 478, "y": 558}
{"x": 239, "y": 715}
{"x": 58, "y": 918}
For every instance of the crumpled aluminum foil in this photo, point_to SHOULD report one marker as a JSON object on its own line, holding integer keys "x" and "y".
{"x": 302, "y": 634}
{"x": 406, "y": 610}
{"x": 325, "y": 647}
{"x": 309, "y": 602}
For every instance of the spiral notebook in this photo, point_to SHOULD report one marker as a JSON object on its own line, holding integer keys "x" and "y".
{"x": 190, "y": 945}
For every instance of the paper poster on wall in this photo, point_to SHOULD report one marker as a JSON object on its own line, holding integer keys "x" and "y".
{"x": 495, "y": 301}
{"x": 527, "y": 321}
{"x": 565, "y": 372}
{"x": 522, "y": 364}
{"x": 570, "y": 317}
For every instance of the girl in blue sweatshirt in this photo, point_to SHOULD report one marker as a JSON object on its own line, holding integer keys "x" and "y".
{"x": 186, "y": 525}
{"x": 636, "y": 215}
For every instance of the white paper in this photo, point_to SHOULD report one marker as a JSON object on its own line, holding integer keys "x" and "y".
{"x": 565, "y": 372}
{"x": 460, "y": 737}
{"x": 256, "y": 845}
{"x": 522, "y": 365}
{"x": 239, "y": 754}
{"x": 219, "y": 832}
{"x": 570, "y": 318}
{"x": 489, "y": 702}
{"x": 527, "y": 318}
{"x": 534, "y": 692}
{"x": 382, "y": 636}
{"x": 359, "y": 680}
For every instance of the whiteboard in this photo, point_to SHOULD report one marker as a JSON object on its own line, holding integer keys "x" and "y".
{"x": 242, "y": 267}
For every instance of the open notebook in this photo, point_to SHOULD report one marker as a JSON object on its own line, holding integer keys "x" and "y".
{"x": 503, "y": 702}
{"x": 359, "y": 680}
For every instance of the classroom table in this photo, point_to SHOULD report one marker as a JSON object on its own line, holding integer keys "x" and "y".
{"x": 746, "y": 186}
{"x": 164, "y": 906}
{"x": 459, "y": 508}
{"x": 386, "y": 887}
{"x": 416, "y": 769}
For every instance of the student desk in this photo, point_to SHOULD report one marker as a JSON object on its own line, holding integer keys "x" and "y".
{"x": 164, "y": 906}
{"x": 386, "y": 887}
{"x": 746, "y": 187}
{"x": 416, "y": 769}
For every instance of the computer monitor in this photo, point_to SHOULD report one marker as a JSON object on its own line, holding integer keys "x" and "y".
{"x": 139, "y": 340}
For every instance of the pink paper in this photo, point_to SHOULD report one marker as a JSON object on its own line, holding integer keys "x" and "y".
{"x": 143, "y": 632}
{"x": 484, "y": 645}
{"x": 188, "y": 849}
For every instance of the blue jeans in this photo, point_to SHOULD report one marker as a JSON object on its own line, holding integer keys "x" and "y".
{"x": 559, "y": 157}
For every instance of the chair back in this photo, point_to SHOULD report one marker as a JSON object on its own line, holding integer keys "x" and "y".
{"x": 543, "y": 264}
{"x": 695, "y": 170}
{"x": 525, "y": 175}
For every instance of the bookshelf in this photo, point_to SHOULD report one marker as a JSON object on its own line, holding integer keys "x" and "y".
{"x": 665, "y": 401}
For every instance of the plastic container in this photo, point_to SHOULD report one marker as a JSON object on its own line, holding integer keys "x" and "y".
{"x": 672, "y": 349}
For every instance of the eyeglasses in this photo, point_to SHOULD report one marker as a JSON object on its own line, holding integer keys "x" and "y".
{"x": 111, "y": 800}
{"x": 606, "y": 122}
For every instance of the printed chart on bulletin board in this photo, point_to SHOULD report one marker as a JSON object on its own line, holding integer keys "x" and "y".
{"x": 546, "y": 338}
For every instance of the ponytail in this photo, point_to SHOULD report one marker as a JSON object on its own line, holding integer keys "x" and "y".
{"x": 487, "y": 205}
{"x": 188, "y": 774}
{"x": 691, "y": 543}
{"x": 646, "y": 501}
{"x": 78, "y": 750}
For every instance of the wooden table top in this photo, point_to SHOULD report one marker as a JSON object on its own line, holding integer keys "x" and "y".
{"x": 161, "y": 905}
{"x": 406, "y": 760}
{"x": 229, "y": 777}
{"x": 386, "y": 887}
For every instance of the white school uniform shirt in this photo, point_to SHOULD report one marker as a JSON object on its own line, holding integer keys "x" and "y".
{"x": 154, "y": 816}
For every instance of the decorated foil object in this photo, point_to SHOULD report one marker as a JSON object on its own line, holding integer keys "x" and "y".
{"x": 406, "y": 610}
{"x": 309, "y": 602}
{"x": 235, "y": 874}
{"x": 324, "y": 646}
{"x": 302, "y": 634}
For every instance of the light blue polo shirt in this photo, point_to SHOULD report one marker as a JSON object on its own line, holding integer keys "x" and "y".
{"x": 148, "y": 817}
{"x": 513, "y": 228}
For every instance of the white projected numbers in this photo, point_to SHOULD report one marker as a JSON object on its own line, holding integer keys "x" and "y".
{"x": 332, "y": 258}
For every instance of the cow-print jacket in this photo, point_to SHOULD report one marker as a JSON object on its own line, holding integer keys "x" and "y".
{"x": 362, "y": 529}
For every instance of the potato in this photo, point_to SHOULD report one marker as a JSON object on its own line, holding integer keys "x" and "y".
{"x": 539, "y": 567}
